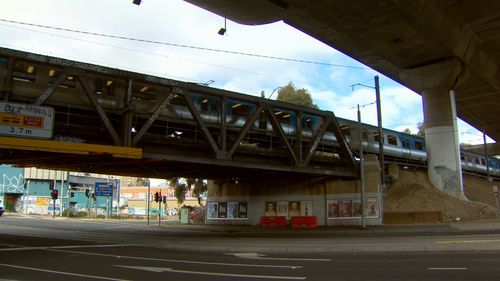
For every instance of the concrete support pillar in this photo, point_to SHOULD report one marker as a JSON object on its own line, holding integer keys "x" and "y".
{"x": 435, "y": 82}
{"x": 441, "y": 138}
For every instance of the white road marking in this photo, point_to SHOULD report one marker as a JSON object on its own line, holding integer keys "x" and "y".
{"x": 64, "y": 247}
{"x": 447, "y": 268}
{"x": 62, "y": 272}
{"x": 256, "y": 256}
{"x": 166, "y": 269}
{"x": 468, "y": 241}
{"x": 180, "y": 261}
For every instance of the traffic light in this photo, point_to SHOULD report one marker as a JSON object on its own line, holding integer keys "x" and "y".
{"x": 157, "y": 197}
{"x": 164, "y": 199}
{"x": 87, "y": 192}
{"x": 54, "y": 194}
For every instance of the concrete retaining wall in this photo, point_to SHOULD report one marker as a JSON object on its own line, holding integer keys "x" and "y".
{"x": 333, "y": 202}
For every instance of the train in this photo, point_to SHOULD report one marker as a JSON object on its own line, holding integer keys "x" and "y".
{"x": 398, "y": 146}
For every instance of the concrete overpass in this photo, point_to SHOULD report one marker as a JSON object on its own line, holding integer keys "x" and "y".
{"x": 448, "y": 51}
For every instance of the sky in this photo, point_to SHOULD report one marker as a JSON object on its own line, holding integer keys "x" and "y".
{"x": 177, "y": 40}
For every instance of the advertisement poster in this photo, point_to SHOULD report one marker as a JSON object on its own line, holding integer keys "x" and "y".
{"x": 222, "y": 210}
{"x": 294, "y": 208}
{"x": 333, "y": 209}
{"x": 270, "y": 210}
{"x": 345, "y": 208}
{"x": 212, "y": 210}
{"x": 356, "y": 208}
{"x": 306, "y": 208}
{"x": 227, "y": 210}
{"x": 232, "y": 210}
{"x": 372, "y": 208}
{"x": 282, "y": 207}
{"x": 242, "y": 210}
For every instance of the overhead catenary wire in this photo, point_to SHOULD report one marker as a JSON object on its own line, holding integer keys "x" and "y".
{"x": 181, "y": 45}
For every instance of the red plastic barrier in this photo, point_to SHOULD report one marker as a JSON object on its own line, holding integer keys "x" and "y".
{"x": 275, "y": 221}
{"x": 302, "y": 221}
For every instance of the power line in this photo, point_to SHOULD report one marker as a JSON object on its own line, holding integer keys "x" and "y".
{"x": 181, "y": 45}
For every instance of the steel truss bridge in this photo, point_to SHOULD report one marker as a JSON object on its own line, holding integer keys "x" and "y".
{"x": 112, "y": 121}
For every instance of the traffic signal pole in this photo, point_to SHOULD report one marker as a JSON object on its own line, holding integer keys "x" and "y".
{"x": 159, "y": 208}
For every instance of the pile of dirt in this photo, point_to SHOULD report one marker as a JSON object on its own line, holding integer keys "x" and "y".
{"x": 413, "y": 192}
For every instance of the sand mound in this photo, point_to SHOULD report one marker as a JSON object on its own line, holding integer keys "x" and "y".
{"x": 414, "y": 192}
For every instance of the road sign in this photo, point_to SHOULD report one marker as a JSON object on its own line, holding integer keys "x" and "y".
{"x": 104, "y": 189}
{"x": 26, "y": 120}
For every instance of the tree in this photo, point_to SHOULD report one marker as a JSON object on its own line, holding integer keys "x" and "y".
{"x": 291, "y": 94}
{"x": 421, "y": 129}
{"x": 198, "y": 186}
{"x": 407, "y": 131}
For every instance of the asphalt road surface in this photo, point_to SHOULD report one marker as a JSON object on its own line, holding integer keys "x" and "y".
{"x": 41, "y": 249}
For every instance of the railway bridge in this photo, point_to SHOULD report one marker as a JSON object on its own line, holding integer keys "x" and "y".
{"x": 263, "y": 157}
{"x": 69, "y": 115}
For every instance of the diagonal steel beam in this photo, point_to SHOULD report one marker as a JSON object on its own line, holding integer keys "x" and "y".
{"x": 345, "y": 149}
{"x": 92, "y": 98}
{"x": 250, "y": 121}
{"x": 280, "y": 133}
{"x": 223, "y": 126}
{"x": 51, "y": 89}
{"x": 197, "y": 117}
{"x": 318, "y": 135}
{"x": 298, "y": 136}
{"x": 152, "y": 118}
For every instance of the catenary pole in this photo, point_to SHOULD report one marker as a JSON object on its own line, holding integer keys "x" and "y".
{"x": 380, "y": 134}
{"x": 361, "y": 170}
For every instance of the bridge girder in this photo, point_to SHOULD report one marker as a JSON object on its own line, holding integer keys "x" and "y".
{"x": 183, "y": 129}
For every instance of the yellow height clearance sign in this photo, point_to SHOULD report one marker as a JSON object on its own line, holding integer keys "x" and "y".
{"x": 26, "y": 120}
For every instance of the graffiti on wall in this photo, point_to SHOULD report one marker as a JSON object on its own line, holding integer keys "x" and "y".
{"x": 12, "y": 184}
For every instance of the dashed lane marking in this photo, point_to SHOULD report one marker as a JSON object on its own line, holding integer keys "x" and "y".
{"x": 62, "y": 272}
{"x": 64, "y": 247}
{"x": 468, "y": 241}
{"x": 447, "y": 268}
{"x": 180, "y": 261}
{"x": 166, "y": 269}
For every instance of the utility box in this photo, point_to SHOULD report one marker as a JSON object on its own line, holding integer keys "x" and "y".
{"x": 185, "y": 215}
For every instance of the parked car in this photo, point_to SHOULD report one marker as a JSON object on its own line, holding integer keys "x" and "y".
{"x": 197, "y": 214}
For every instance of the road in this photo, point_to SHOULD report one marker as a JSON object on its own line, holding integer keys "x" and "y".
{"x": 45, "y": 249}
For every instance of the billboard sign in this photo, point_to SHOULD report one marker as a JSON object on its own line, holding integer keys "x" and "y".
{"x": 26, "y": 120}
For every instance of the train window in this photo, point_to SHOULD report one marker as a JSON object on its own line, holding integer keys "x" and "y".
{"x": 240, "y": 109}
{"x": 204, "y": 104}
{"x": 392, "y": 140}
{"x": 462, "y": 157}
{"x": 375, "y": 137}
{"x": 365, "y": 134}
{"x": 307, "y": 123}
{"x": 476, "y": 160}
{"x": 405, "y": 143}
{"x": 215, "y": 106}
{"x": 483, "y": 162}
{"x": 283, "y": 117}
{"x": 178, "y": 100}
{"x": 346, "y": 130}
{"x": 419, "y": 145}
